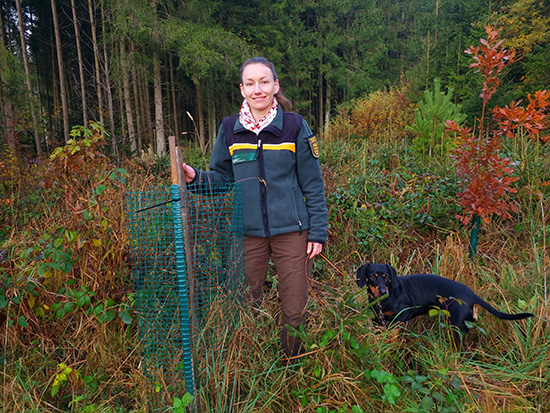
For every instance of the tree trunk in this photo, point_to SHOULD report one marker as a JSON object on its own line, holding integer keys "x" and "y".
{"x": 159, "y": 119}
{"x": 328, "y": 96}
{"x": 28, "y": 80}
{"x": 7, "y": 105}
{"x": 200, "y": 116}
{"x": 137, "y": 105}
{"x": 80, "y": 66}
{"x": 121, "y": 109}
{"x": 108, "y": 88}
{"x": 174, "y": 101}
{"x": 56, "y": 98}
{"x": 428, "y": 60}
{"x": 211, "y": 123}
{"x": 96, "y": 62}
{"x": 62, "y": 86}
{"x": 146, "y": 107}
{"x": 320, "y": 101}
{"x": 127, "y": 98}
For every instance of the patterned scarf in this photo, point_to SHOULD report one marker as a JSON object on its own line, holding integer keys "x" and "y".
{"x": 248, "y": 122}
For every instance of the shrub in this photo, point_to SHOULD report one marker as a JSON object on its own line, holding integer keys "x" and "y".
{"x": 486, "y": 175}
{"x": 380, "y": 116}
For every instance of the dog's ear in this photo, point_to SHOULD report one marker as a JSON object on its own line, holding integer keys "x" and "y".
{"x": 391, "y": 271}
{"x": 361, "y": 279}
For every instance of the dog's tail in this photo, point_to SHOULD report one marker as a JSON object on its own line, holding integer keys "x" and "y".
{"x": 503, "y": 316}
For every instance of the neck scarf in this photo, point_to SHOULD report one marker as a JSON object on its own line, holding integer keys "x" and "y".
{"x": 248, "y": 122}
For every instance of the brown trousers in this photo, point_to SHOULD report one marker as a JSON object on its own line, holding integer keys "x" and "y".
{"x": 289, "y": 257}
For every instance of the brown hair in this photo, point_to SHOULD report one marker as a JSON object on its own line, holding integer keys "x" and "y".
{"x": 285, "y": 103}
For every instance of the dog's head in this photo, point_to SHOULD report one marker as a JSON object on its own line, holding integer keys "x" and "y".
{"x": 378, "y": 277}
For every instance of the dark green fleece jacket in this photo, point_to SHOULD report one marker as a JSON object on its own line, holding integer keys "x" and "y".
{"x": 282, "y": 184}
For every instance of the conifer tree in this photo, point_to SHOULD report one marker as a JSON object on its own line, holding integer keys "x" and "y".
{"x": 429, "y": 121}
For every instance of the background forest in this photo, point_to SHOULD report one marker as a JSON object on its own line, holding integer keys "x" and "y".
{"x": 147, "y": 69}
{"x": 435, "y": 154}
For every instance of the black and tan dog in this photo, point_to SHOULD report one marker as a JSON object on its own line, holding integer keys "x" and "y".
{"x": 412, "y": 295}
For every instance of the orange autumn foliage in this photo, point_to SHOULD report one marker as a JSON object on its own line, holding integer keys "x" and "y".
{"x": 487, "y": 177}
{"x": 533, "y": 118}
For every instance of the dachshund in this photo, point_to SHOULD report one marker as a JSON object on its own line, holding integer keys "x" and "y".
{"x": 412, "y": 295}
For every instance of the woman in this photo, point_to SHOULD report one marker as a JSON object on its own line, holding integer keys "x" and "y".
{"x": 274, "y": 155}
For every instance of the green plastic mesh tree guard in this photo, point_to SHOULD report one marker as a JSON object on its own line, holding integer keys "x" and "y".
{"x": 188, "y": 274}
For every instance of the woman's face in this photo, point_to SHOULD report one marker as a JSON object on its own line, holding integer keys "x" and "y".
{"x": 258, "y": 88}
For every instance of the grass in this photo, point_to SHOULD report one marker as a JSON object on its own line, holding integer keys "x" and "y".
{"x": 378, "y": 212}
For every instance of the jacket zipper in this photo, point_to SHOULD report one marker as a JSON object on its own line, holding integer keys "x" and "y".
{"x": 263, "y": 189}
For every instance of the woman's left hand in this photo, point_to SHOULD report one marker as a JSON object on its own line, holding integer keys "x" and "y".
{"x": 313, "y": 249}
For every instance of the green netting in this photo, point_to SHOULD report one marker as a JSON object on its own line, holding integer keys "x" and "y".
{"x": 188, "y": 273}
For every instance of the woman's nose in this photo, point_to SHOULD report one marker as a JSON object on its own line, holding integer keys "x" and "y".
{"x": 257, "y": 88}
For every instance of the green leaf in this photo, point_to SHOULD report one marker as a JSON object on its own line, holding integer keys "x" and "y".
{"x": 100, "y": 189}
{"x": 423, "y": 390}
{"x": 87, "y": 299}
{"x": 3, "y": 302}
{"x": 57, "y": 242}
{"x": 391, "y": 393}
{"x": 81, "y": 302}
{"x": 88, "y": 379}
{"x": 427, "y": 404}
{"x": 107, "y": 316}
{"x": 22, "y": 321}
{"x": 186, "y": 399}
{"x": 126, "y": 317}
{"x": 71, "y": 236}
{"x": 433, "y": 312}
{"x": 456, "y": 382}
{"x": 98, "y": 309}
{"x": 68, "y": 307}
{"x": 87, "y": 215}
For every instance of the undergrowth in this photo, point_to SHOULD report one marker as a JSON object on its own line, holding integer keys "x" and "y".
{"x": 69, "y": 335}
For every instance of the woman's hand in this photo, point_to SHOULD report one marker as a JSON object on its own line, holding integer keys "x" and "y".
{"x": 189, "y": 173}
{"x": 313, "y": 249}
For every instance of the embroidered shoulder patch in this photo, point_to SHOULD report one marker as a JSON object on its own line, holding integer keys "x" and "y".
{"x": 314, "y": 146}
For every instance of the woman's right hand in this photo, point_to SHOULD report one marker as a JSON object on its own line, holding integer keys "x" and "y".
{"x": 189, "y": 173}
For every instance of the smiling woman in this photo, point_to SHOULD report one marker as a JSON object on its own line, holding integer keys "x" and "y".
{"x": 259, "y": 88}
{"x": 273, "y": 154}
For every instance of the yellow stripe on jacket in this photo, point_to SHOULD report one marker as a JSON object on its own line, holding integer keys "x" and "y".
{"x": 268, "y": 147}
